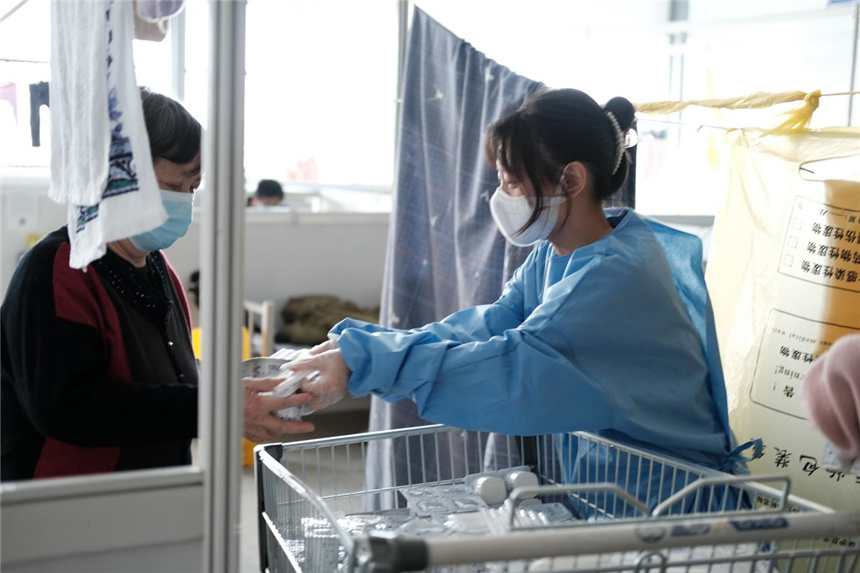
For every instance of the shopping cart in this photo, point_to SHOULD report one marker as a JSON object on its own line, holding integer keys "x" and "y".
{"x": 702, "y": 520}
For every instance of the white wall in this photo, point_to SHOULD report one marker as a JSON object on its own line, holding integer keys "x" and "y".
{"x": 24, "y": 210}
{"x": 287, "y": 253}
{"x": 293, "y": 254}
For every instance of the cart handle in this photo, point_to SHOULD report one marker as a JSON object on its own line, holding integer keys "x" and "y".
{"x": 717, "y": 481}
{"x": 623, "y": 536}
{"x": 522, "y": 493}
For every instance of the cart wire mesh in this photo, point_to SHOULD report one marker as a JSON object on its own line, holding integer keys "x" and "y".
{"x": 636, "y": 510}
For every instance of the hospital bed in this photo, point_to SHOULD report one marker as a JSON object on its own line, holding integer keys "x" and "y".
{"x": 771, "y": 530}
{"x": 262, "y": 315}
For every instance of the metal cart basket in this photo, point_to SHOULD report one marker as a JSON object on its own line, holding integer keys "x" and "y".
{"x": 641, "y": 512}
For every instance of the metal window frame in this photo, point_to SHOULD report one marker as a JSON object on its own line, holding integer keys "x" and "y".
{"x": 177, "y": 56}
{"x": 177, "y": 507}
{"x": 855, "y": 55}
{"x": 222, "y": 266}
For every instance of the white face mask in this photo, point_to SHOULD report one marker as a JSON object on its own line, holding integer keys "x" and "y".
{"x": 511, "y": 213}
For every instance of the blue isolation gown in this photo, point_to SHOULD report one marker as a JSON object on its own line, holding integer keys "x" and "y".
{"x": 616, "y": 338}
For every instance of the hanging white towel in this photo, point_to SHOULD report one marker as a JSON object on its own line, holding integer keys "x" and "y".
{"x": 80, "y": 133}
{"x": 125, "y": 201}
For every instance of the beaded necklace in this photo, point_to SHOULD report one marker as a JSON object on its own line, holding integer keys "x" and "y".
{"x": 146, "y": 291}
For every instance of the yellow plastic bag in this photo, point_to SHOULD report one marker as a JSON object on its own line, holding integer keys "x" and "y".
{"x": 784, "y": 275}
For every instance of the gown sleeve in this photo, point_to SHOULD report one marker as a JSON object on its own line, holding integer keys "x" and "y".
{"x": 473, "y": 383}
{"x": 472, "y": 324}
{"x": 609, "y": 346}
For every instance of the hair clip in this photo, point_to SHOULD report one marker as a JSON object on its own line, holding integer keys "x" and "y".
{"x": 619, "y": 140}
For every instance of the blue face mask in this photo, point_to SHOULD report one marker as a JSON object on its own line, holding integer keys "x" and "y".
{"x": 178, "y": 206}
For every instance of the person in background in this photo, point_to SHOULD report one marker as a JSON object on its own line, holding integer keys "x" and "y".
{"x": 605, "y": 328}
{"x": 98, "y": 373}
{"x": 269, "y": 193}
{"x": 832, "y": 393}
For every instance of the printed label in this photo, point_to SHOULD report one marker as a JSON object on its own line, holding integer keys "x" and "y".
{"x": 693, "y": 530}
{"x": 759, "y": 524}
{"x": 789, "y": 346}
{"x": 822, "y": 245}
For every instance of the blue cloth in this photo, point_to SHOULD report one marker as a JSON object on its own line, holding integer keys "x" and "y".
{"x": 444, "y": 252}
{"x": 616, "y": 338}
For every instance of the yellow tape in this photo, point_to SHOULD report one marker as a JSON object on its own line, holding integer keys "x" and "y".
{"x": 795, "y": 120}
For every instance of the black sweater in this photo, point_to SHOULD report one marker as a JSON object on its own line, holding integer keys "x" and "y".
{"x": 98, "y": 372}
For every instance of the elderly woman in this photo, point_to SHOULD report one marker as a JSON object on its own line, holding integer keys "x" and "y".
{"x": 98, "y": 372}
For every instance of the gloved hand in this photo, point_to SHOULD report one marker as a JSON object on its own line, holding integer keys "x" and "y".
{"x": 261, "y": 423}
{"x": 832, "y": 394}
{"x": 324, "y": 347}
{"x": 328, "y": 386}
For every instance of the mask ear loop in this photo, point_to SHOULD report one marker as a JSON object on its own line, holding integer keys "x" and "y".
{"x": 562, "y": 181}
{"x": 562, "y": 187}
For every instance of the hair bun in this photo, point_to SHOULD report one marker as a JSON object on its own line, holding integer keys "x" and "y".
{"x": 623, "y": 111}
